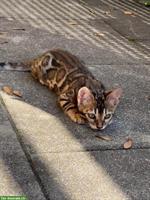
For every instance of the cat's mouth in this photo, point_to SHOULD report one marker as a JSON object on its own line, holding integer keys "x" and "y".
{"x": 93, "y": 126}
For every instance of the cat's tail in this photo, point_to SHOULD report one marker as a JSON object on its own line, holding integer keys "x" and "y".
{"x": 12, "y": 66}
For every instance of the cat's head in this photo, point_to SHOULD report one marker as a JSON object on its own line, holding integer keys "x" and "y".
{"x": 98, "y": 109}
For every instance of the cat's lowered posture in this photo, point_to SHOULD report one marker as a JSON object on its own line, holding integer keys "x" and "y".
{"x": 82, "y": 97}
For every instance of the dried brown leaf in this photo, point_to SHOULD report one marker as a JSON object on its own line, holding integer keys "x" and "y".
{"x": 104, "y": 137}
{"x": 128, "y": 144}
{"x": 132, "y": 39}
{"x": 147, "y": 97}
{"x": 72, "y": 23}
{"x": 3, "y": 33}
{"x": 4, "y": 42}
{"x": 19, "y": 29}
{"x": 98, "y": 34}
{"x": 17, "y": 93}
{"x": 128, "y": 12}
{"x": 8, "y": 90}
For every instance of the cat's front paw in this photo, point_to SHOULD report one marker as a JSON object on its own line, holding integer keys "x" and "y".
{"x": 75, "y": 116}
{"x": 79, "y": 118}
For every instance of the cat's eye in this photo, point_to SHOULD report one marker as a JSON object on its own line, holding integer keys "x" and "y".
{"x": 107, "y": 116}
{"x": 91, "y": 115}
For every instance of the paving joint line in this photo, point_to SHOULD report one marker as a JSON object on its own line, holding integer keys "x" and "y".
{"x": 92, "y": 150}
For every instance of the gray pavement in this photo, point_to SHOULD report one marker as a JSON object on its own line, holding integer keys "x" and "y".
{"x": 43, "y": 154}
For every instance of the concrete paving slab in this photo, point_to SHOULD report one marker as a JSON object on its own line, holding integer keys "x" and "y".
{"x": 133, "y": 28}
{"x": 16, "y": 175}
{"x": 38, "y": 117}
{"x": 107, "y": 175}
{"x": 128, "y": 18}
{"x": 17, "y": 178}
{"x": 111, "y": 7}
{"x": 86, "y": 34}
{"x": 8, "y": 139}
{"x": 32, "y": 42}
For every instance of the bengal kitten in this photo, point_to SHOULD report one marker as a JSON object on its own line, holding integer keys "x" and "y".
{"x": 82, "y": 97}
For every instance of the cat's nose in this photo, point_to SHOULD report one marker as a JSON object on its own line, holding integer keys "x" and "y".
{"x": 100, "y": 126}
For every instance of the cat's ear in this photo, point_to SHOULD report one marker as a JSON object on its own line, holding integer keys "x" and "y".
{"x": 113, "y": 97}
{"x": 85, "y": 97}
